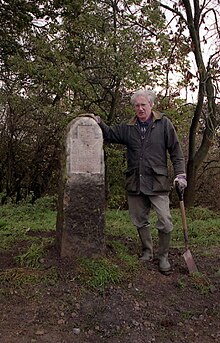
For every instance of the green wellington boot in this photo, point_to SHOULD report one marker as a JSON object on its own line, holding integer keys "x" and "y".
{"x": 147, "y": 244}
{"x": 164, "y": 244}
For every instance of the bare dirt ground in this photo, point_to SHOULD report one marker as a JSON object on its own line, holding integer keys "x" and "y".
{"x": 149, "y": 308}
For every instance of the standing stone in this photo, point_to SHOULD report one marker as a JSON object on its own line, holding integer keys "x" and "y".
{"x": 81, "y": 204}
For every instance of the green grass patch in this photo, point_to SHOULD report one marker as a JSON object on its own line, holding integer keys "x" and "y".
{"x": 118, "y": 224}
{"x": 181, "y": 283}
{"x": 186, "y": 315}
{"x": 131, "y": 261}
{"x": 18, "y": 277}
{"x": 100, "y": 273}
{"x": 197, "y": 280}
{"x": 200, "y": 282}
{"x": 203, "y": 227}
{"x": 34, "y": 254}
{"x": 18, "y": 220}
{"x": 35, "y": 217}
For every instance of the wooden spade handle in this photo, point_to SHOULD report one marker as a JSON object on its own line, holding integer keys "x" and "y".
{"x": 184, "y": 224}
{"x": 180, "y": 193}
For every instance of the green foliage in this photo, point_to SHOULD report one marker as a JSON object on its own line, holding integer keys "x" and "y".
{"x": 116, "y": 167}
{"x": 201, "y": 282}
{"x": 20, "y": 231}
{"x": 19, "y": 277}
{"x": 100, "y": 273}
{"x": 118, "y": 224}
{"x": 46, "y": 202}
{"x": 197, "y": 280}
{"x": 131, "y": 262}
{"x": 32, "y": 256}
{"x": 83, "y": 61}
{"x": 19, "y": 220}
{"x": 86, "y": 58}
{"x": 178, "y": 112}
{"x": 186, "y": 315}
{"x": 201, "y": 213}
{"x": 181, "y": 283}
{"x": 203, "y": 227}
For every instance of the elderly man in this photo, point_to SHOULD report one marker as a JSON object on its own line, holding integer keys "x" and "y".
{"x": 149, "y": 136}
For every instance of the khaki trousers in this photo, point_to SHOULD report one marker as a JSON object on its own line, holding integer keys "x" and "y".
{"x": 140, "y": 206}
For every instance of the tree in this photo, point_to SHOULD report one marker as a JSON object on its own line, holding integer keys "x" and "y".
{"x": 60, "y": 58}
{"x": 200, "y": 21}
{"x": 116, "y": 50}
{"x": 31, "y": 122}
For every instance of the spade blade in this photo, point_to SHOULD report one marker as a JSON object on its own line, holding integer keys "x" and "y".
{"x": 190, "y": 262}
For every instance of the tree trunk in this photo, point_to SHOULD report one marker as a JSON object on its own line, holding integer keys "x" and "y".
{"x": 191, "y": 184}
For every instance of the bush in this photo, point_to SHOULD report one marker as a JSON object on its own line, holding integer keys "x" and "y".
{"x": 115, "y": 176}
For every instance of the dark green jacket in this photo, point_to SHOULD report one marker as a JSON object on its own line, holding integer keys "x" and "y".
{"x": 147, "y": 158}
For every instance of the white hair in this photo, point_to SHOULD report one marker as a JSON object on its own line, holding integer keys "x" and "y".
{"x": 146, "y": 93}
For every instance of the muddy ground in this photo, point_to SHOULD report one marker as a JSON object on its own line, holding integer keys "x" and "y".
{"x": 147, "y": 308}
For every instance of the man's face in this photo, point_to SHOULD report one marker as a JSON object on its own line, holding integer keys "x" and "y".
{"x": 142, "y": 108}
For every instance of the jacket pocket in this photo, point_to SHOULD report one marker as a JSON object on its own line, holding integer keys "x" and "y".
{"x": 132, "y": 180}
{"x": 160, "y": 179}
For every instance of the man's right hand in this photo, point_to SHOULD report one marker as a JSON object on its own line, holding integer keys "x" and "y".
{"x": 181, "y": 182}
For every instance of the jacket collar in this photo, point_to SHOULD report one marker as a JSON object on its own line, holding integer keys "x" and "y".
{"x": 156, "y": 116}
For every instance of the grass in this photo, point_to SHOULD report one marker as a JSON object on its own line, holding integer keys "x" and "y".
{"x": 101, "y": 272}
{"x": 203, "y": 226}
{"x": 197, "y": 280}
{"x": 33, "y": 256}
{"x": 18, "y": 277}
{"x": 123, "y": 254}
{"x": 17, "y": 221}
{"x": 118, "y": 224}
{"x": 186, "y": 315}
{"x": 201, "y": 283}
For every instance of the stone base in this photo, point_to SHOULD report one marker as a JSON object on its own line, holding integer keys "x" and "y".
{"x": 81, "y": 217}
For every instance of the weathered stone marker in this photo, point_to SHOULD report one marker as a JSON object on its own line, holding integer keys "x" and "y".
{"x": 81, "y": 203}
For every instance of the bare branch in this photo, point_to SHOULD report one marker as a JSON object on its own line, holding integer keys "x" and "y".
{"x": 216, "y": 19}
{"x": 173, "y": 10}
{"x": 210, "y": 59}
